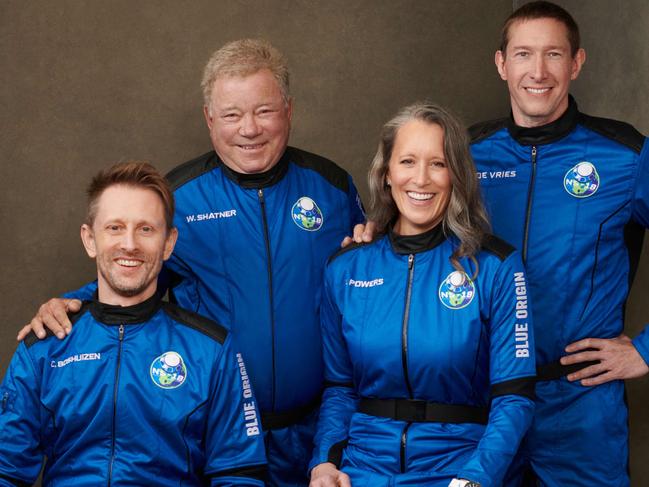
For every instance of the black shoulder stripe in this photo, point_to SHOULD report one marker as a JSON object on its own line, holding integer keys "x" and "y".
{"x": 257, "y": 472}
{"x": 192, "y": 169}
{"x": 196, "y": 321}
{"x": 621, "y": 132}
{"x": 482, "y": 130}
{"x": 521, "y": 387}
{"x": 31, "y": 339}
{"x": 329, "y": 170}
{"x": 329, "y": 383}
{"x": 344, "y": 250}
{"x": 497, "y": 246}
{"x": 335, "y": 454}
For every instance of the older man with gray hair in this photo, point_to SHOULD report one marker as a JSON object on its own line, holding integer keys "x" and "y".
{"x": 257, "y": 220}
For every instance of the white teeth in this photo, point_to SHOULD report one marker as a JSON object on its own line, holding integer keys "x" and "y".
{"x": 537, "y": 91}
{"x": 419, "y": 196}
{"x": 128, "y": 263}
{"x": 251, "y": 146}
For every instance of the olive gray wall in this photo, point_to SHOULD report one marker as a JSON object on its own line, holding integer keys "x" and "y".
{"x": 85, "y": 84}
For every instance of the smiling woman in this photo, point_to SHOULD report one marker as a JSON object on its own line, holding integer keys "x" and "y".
{"x": 428, "y": 383}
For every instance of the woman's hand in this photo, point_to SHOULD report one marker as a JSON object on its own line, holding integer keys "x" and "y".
{"x": 327, "y": 475}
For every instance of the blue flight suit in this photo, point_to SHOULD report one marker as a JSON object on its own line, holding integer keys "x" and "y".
{"x": 401, "y": 326}
{"x": 573, "y": 196}
{"x": 148, "y": 394}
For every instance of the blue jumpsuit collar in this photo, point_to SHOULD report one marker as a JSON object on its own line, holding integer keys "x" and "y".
{"x": 546, "y": 134}
{"x": 413, "y": 244}
{"x": 125, "y": 315}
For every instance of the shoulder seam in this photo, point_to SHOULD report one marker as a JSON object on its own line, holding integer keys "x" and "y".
{"x": 348, "y": 248}
{"x": 497, "y": 246}
{"x": 329, "y": 170}
{"x": 186, "y": 172}
{"x": 482, "y": 130}
{"x": 621, "y": 132}
{"x": 198, "y": 322}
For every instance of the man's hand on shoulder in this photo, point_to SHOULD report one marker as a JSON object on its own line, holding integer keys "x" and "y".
{"x": 618, "y": 360}
{"x": 54, "y": 315}
{"x": 362, "y": 233}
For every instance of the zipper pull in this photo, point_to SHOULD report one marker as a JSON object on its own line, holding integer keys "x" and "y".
{"x": 260, "y": 194}
{"x": 411, "y": 261}
{"x": 121, "y": 332}
{"x": 5, "y": 400}
{"x": 533, "y": 153}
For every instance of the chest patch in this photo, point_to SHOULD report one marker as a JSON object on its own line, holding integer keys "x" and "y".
{"x": 168, "y": 371}
{"x": 582, "y": 180}
{"x": 457, "y": 290}
{"x": 307, "y": 215}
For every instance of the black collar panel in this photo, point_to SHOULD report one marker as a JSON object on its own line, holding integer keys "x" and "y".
{"x": 546, "y": 134}
{"x": 125, "y": 315}
{"x": 258, "y": 180}
{"x": 413, "y": 244}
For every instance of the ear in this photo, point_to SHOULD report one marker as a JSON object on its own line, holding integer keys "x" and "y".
{"x": 88, "y": 239}
{"x": 577, "y": 62}
{"x": 170, "y": 243}
{"x": 499, "y": 59}
{"x": 208, "y": 117}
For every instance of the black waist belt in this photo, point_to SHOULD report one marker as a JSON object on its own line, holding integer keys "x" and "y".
{"x": 276, "y": 420}
{"x": 556, "y": 370}
{"x": 423, "y": 411}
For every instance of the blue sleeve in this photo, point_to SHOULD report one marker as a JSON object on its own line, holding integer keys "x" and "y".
{"x": 340, "y": 400}
{"x": 641, "y": 216}
{"x": 84, "y": 293}
{"x": 357, "y": 212}
{"x": 20, "y": 449}
{"x": 234, "y": 446}
{"x": 512, "y": 369}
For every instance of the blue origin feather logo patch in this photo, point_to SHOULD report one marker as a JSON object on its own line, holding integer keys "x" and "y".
{"x": 582, "y": 180}
{"x": 168, "y": 371}
{"x": 457, "y": 290}
{"x": 307, "y": 215}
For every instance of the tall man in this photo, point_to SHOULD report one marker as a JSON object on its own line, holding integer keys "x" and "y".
{"x": 143, "y": 392}
{"x": 257, "y": 221}
{"x": 572, "y": 193}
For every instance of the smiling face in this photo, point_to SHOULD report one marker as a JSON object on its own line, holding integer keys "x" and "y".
{"x": 129, "y": 240}
{"x": 419, "y": 179}
{"x": 538, "y": 67}
{"x": 249, "y": 121}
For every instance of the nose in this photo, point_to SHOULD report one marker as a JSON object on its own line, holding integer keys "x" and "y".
{"x": 249, "y": 126}
{"x": 422, "y": 174}
{"x": 129, "y": 241}
{"x": 539, "y": 71}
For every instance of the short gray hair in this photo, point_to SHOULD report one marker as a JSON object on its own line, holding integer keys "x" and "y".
{"x": 243, "y": 58}
{"x": 465, "y": 216}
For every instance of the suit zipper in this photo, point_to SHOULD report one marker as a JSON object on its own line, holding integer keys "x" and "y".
{"x": 528, "y": 213}
{"x": 269, "y": 268}
{"x": 404, "y": 355}
{"x": 404, "y": 325}
{"x": 5, "y": 400}
{"x": 117, "y": 367}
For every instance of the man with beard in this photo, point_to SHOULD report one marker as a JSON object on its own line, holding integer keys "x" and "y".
{"x": 142, "y": 392}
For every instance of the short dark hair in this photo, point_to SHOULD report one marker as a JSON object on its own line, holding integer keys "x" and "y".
{"x": 138, "y": 174}
{"x": 542, "y": 10}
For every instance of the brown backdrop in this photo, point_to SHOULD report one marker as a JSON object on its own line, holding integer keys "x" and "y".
{"x": 89, "y": 83}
